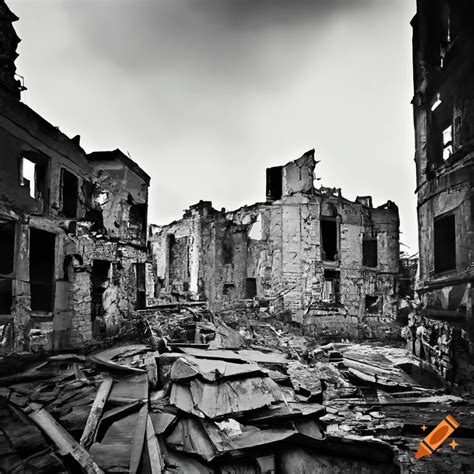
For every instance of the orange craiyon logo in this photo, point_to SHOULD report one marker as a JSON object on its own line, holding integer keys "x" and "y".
{"x": 437, "y": 437}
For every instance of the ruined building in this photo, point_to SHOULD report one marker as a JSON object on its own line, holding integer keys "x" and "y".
{"x": 72, "y": 226}
{"x": 443, "y": 105}
{"x": 329, "y": 262}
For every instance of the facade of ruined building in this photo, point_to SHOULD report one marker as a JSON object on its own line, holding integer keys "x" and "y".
{"x": 72, "y": 227}
{"x": 443, "y": 104}
{"x": 329, "y": 262}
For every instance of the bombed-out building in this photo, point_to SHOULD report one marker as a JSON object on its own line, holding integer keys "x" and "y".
{"x": 72, "y": 226}
{"x": 443, "y": 105}
{"x": 329, "y": 262}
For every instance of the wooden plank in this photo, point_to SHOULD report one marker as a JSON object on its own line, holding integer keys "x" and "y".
{"x": 90, "y": 429}
{"x": 115, "y": 414}
{"x": 157, "y": 465}
{"x": 113, "y": 366}
{"x": 26, "y": 377}
{"x": 65, "y": 443}
{"x": 112, "y": 458}
{"x": 138, "y": 440}
{"x": 152, "y": 369}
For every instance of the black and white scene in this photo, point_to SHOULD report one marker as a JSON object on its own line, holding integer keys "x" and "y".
{"x": 236, "y": 236}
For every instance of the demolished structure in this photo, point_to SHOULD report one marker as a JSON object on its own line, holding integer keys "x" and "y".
{"x": 443, "y": 105}
{"x": 72, "y": 227}
{"x": 332, "y": 264}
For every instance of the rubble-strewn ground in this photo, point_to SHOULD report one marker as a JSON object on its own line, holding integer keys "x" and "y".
{"x": 192, "y": 395}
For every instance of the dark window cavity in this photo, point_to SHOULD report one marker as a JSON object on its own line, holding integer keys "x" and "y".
{"x": 445, "y": 243}
{"x": 42, "y": 247}
{"x": 5, "y": 295}
{"x": 137, "y": 221}
{"x": 141, "y": 286}
{"x": 274, "y": 183}
{"x": 371, "y": 304}
{"x": 7, "y": 247}
{"x": 69, "y": 190}
{"x": 329, "y": 240}
{"x": 369, "y": 253}
{"x": 250, "y": 288}
{"x": 99, "y": 279}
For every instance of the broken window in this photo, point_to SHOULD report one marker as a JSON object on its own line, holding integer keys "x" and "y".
{"x": 7, "y": 247}
{"x": 445, "y": 243}
{"x": 250, "y": 288}
{"x": 371, "y": 304}
{"x": 99, "y": 279}
{"x": 329, "y": 240}
{"x": 137, "y": 220}
{"x": 7, "y": 252}
{"x": 369, "y": 253}
{"x": 141, "y": 286}
{"x": 331, "y": 286}
{"x": 441, "y": 143}
{"x": 274, "y": 183}
{"x": 69, "y": 193}
{"x": 5, "y": 295}
{"x": 33, "y": 175}
{"x": 42, "y": 258}
{"x": 447, "y": 142}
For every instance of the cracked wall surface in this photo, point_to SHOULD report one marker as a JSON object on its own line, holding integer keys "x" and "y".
{"x": 275, "y": 249}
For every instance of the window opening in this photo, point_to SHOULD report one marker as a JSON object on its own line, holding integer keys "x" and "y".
{"x": 329, "y": 240}
{"x": 42, "y": 258}
{"x": 69, "y": 193}
{"x": 445, "y": 243}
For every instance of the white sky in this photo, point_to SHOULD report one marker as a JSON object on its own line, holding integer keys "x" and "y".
{"x": 205, "y": 94}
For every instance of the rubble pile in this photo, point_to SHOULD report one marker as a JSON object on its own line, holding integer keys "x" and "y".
{"x": 195, "y": 407}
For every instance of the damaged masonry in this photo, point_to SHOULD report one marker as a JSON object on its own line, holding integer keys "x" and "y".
{"x": 330, "y": 263}
{"x": 287, "y": 336}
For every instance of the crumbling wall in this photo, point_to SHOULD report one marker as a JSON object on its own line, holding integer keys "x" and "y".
{"x": 443, "y": 106}
{"x": 298, "y": 175}
{"x": 304, "y": 253}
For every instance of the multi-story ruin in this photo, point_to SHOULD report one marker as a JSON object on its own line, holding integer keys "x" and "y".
{"x": 330, "y": 262}
{"x": 72, "y": 226}
{"x": 443, "y": 105}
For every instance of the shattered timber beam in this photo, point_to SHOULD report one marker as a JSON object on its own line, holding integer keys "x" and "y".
{"x": 65, "y": 443}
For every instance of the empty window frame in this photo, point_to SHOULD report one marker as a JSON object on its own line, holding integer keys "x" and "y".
{"x": 372, "y": 304}
{"x": 7, "y": 252}
{"x": 369, "y": 253}
{"x": 7, "y": 248}
{"x": 445, "y": 243}
{"x": 42, "y": 262}
{"x": 33, "y": 175}
{"x": 447, "y": 142}
{"x": 141, "y": 286}
{"x": 274, "y": 183}
{"x": 99, "y": 277}
{"x": 331, "y": 286}
{"x": 441, "y": 144}
{"x": 250, "y": 288}
{"x": 5, "y": 295}
{"x": 329, "y": 240}
{"x": 137, "y": 221}
{"x": 69, "y": 193}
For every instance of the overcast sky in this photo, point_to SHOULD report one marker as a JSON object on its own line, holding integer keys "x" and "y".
{"x": 205, "y": 94}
